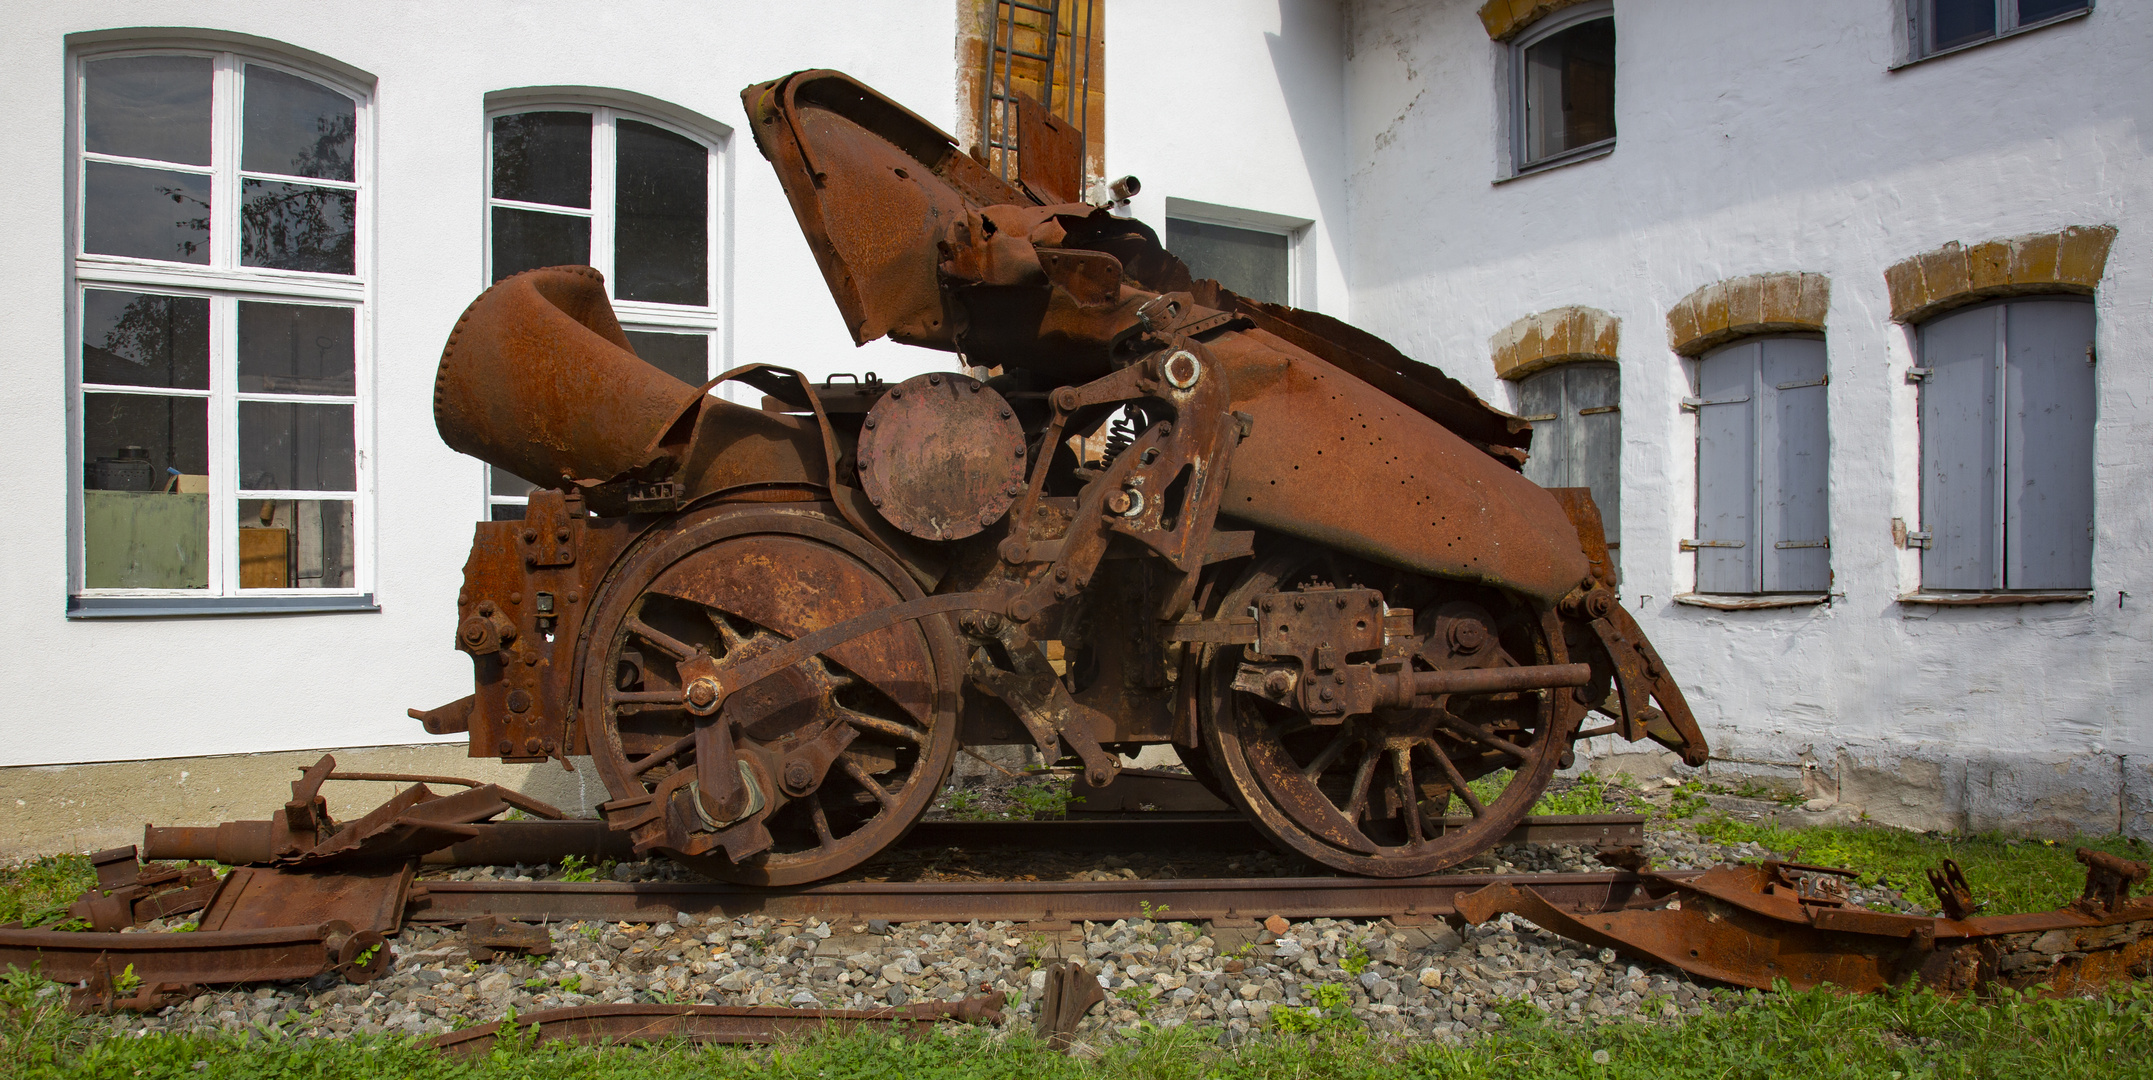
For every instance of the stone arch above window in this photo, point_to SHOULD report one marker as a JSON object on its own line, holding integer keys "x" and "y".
{"x": 1725, "y": 311}
{"x": 1506, "y": 18}
{"x": 2070, "y": 260}
{"x": 1559, "y": 336}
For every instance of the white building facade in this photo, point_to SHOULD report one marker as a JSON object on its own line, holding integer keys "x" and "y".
{"x": 264, "y": 287}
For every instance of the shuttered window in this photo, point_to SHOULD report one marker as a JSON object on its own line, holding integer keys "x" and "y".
{"x": 2007, "y": 411}
{"x": 1577, "y": 434}
{"x": 1763, "y": 525}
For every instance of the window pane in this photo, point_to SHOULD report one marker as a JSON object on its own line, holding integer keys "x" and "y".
{"x": 296, "y": 227}
{"x": 136, "y": 533}
{"x": 1570, "y": 89}
{"x": 507, "y": 512}
{"x": 526, "y": 240}
{"x": 145, "y": 213}
{"x": 148, "y": 107}
{"x": 1247, "y": 261}
{"x": 662, "y": 214}
{"x": 683, "y": 356}
{"x": 297, "y": 127}
{"x": 543, "y": 157}
{"x": 296, "y": 349}
{"x": 2030, "y": 11}
{"x": 288, "y": 447}
{"x": 137, "y": 339}
{"x": 1956, "y": 22}
{"x": 501, "y": 482}
{"x": 295, "y": 544}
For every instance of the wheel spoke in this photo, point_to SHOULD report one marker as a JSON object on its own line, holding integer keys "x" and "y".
{"x": 1357, "y": 803}
{"x": 1482, "y": 735}
{"x": 821, "y": 818}
{"x": 665, "y": 642}
{"x": 731, "y": 638}
{"x": 1401, "y": 760}
{"x": 1457, "y": 779}
{"x": 664, "y": 753}
{"x": 1327, "y": 757}
{"x": 875, "y": 725}
{"x": 859, "y": 776}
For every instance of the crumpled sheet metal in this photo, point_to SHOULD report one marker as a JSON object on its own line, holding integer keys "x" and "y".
{"x": 719, "y": 1024}
{"x": 1757, "y": 925}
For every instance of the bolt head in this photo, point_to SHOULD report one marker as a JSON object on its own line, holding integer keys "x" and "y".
{"x": 870, "y": 424}
{"x": 1326, "y": 695}
{"x": 703, "y": 692}
{"x": 560, "y": 535}
{"x": 530, "y": 536}
{"x": 934, "y": 380}
{"x": 798, "y": 776}
{"x": 1299, "y": 605}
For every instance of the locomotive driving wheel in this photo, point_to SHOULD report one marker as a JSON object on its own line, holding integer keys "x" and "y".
{"x": 1370, "y": 794}
{"x": 835, "y": 757}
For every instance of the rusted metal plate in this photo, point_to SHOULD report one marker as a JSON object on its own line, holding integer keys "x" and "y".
{"x": 942, "y": 456}
{"x": 706, "y": 1024}
{"x": 1221, "y": 899}
{"x": 1050, "y": 153}
{"x": 198, "y": 958}
{"x": 368, "y": 898}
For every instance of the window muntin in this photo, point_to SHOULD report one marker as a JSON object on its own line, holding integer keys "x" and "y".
{"x": 2007, "y": 416}
{"x": 219, "y": 310}
{"x": 585, "y": 185}
{"x": 1577, "y": 434}
{"x": 1563, "y": 87}
{"x": 1254, "y": 263}
{"x": 1763, "y": 513}
{"x": 1943, "y": 25}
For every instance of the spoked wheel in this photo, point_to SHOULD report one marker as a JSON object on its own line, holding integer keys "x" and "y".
{"x": 838, "y": 755}
{"x": 1370, "y": 794}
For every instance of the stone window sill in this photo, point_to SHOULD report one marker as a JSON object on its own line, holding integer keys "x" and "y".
{"x": 1720, "y": 602}
{"x": 2015, "y": 31}
{"x": 164, "y": 607}
{"x": 1583, "y": 153}
{"x": 1991, "y": 599}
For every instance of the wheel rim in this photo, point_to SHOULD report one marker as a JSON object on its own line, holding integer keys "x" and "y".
{"x": 733, "y": 586}
{"x": 1368, "y": 795}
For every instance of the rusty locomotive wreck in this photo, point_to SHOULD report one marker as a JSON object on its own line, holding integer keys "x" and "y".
{"x": 1257, "y": 534}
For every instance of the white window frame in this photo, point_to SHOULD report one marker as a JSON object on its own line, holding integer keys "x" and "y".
{"x": 607, "y": 109}
{"x": 1920, "y": 15}
{"x": 225, "y": 283}
{"x": 1300, "y": 284}
{"x": 1534, "y": 35}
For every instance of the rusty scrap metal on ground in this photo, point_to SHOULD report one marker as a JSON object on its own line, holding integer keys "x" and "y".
{"x": 1263, "y": 537}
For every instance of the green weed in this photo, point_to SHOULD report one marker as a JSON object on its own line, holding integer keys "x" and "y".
{"x": 573, "y": 868}
{"x": 38, "y": 892}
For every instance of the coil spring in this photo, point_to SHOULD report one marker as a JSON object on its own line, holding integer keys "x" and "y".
{"x": 1120, "y": 435}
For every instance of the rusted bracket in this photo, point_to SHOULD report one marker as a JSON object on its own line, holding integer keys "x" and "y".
{"x": 1070, "y": 993}
{"x": 488, "y": 935}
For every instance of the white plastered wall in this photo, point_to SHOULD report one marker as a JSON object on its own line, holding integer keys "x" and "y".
{"x": 1763, "y": 137}
{"x": 102, "y": 690}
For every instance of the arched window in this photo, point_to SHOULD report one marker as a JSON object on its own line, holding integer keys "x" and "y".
{"x": 1763, "y": 519}
{"x": 629, "y": 193}
{"x": 220, "y": 216}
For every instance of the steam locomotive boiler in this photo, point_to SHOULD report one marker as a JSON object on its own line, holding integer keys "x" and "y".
{"x": 1257, "y": 534}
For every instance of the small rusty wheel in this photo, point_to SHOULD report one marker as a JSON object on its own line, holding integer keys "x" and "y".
{"x": 1370, "y": 795}
{"x": 839, "y": 754}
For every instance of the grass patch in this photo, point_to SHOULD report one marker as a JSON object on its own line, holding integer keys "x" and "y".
{"x": 1815, "y": 1035}
{"x": 38, "y": 891}
{"x": 2012, "y": 875}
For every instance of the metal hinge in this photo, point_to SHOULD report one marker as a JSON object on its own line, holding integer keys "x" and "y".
{"x": 1691, "y": 404}
{"x": 1920, "y": 539}
{"x": 1539, "y": 419}
{"x": 1917, "y": 374}
{"x": 1693, "y": 545}
{"x": 1598, "y": 409}
{"x": 1824, "y": 381}
{"x": 1785, "y": 545}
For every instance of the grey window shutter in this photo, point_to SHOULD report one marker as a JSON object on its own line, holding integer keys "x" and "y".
{"x": 1593, "y": 395}
{"x": 1726, "y": 470}
{"x": 1960, "y": 451}
{"x": 2048, "y": 447}
{"x": 1794, "y": 518}
{"x": 1540, "y": 400}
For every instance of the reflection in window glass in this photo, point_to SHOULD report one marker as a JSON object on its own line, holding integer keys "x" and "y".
{"x": 1249, "y": 262}
{"x": 1956, "y": 22}
{"x": 1569, "y": 88}
{"x": 2036, "y": 10}
{"x": 141, "y": 339}
{"x": 296, "y": 227}
{"x": 290, "y": 447}
{"x": 543, "y": 157}
{"x": 295, "y": 544}
{"x": 154, "y": 107}
{"x": 297, "y": 127}
{"x": 662, "y": 213}
{"x": 526, "y": 240}
{"x": 145, "y": 213}
{"x": 296, "y": 349}
{"x": 145, "y": 516}
{"x": 683, "y": 356}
